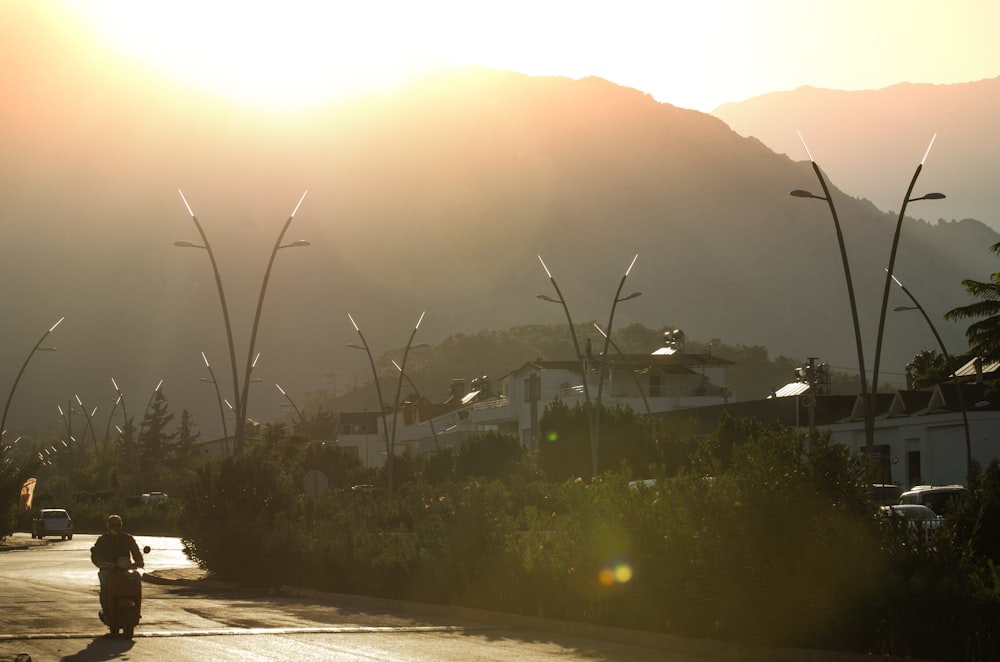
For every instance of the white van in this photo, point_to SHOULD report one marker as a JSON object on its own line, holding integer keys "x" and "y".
{"x": 938, "y": 498}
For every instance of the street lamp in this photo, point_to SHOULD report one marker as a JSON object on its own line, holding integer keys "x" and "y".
{"x": 90, "y": 424}
{"x": 222, "y": 294}
{"x": 302, "y": 418}
{"x": 142, "y": 426}
{"x": 13, "y": 388}
{"x": 580, "y": 359}
{"x": 381, "y": 402}
{"x": 951, "y": 366}
{"x": 865, "y": 403}
{"x": 399, "y": 389}
{"x": 604, "y": 355}
{"x": 241, "y": 394}
{"x": 218, "y": 395}
{"x": 430, "y": 419}
{"x": 119, "y": 400}
{"x": 892, "y": 260}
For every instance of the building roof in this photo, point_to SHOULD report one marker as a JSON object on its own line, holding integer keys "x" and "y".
{"x": 907, "y": 402}
{"x": 989, "y": 370}
{"x": 790, "y": 389}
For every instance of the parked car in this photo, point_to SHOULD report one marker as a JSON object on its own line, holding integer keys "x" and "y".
{"x": 938, "y": 498}
{"x": 52, "y": 522}
{"x": 921, "y": 522}
{"x": 154, "y": 497}
{"x": 884, "y": 494}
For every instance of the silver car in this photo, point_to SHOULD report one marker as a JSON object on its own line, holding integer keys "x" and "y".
{"x": 52, "y": 522}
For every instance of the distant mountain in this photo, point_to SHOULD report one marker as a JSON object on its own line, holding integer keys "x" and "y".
{"x": 438, "y": 197}
{"x": 869, "y": 142}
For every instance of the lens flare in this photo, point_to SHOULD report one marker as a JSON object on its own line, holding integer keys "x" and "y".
{"x": 620, "y": 573}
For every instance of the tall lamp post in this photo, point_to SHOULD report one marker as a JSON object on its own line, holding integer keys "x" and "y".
{"x": 951, "y": 366}
{"x": 119, "y": 400}
{"x": 90, "y": 424}
{"x": 399, "y": 390}
{"x": 381, "y": 402}
{"x": 604, "y": 354}
{"x": 863, "y": 373}
{"x": 241, "y": 394}
{"x": 298, "y": 412}
{"x": 133, "y": 450}
{"x": 580, "y": 359}
{"x": 222, "y": 294}
{"x": 218, "y": 395}
{"x": 892, "y": 260}
{"x": 241, "y": 420}
{"x": 13, "y": 388}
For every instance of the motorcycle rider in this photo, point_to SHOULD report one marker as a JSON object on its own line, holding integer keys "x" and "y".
{"x": 108, "y": 549}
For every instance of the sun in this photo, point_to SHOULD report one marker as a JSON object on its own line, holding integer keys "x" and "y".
{"x": 295, "y": 53}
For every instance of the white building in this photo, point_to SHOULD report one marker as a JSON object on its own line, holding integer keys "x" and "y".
{"x": 919, "y": 437}
{"x": 647, "y": 383}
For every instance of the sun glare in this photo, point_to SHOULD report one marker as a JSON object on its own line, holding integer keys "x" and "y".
{"x": 280, "y": 55}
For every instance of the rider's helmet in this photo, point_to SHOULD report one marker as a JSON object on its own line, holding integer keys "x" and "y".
{"x": 114, "y": 523}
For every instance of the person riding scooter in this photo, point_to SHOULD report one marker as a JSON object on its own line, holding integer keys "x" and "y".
{"x": 110, "y": 547}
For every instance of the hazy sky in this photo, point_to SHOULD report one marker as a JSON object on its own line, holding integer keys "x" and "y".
{"x": 695, "y": 54}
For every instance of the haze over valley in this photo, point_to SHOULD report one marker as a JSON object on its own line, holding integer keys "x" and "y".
{"x": 439, "y": 196}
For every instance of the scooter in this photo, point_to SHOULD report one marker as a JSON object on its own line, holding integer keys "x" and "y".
{"x": 124, "y": 598}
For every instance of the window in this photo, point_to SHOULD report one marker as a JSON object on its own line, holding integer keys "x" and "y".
{"x": 655, "y": 386}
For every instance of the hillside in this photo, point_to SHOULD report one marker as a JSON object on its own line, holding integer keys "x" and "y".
{"x": 438, "y": 197}
{"x": 870, "y": 141}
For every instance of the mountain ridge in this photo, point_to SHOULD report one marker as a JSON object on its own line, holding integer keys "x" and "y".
{"x": 437, "y": 198}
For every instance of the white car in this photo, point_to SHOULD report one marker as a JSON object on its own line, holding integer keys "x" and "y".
{"x": 154, "y": 497}
{"x": 939, "y": 498}
{"x": 52, "y": 522}
{"x": 921, "y": 522}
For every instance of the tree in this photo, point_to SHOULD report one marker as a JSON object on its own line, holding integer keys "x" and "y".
{"x": 927, "y": 368}
{"x": 184, "y": 454}
{"x": 984, "y": 334}
{"x": 154, "y": 441}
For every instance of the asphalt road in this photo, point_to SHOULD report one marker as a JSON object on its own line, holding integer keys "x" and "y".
{"x": 48, "y": 599}
{"x": 49, "y": 605}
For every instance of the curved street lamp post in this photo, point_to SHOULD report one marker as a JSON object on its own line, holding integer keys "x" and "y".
{"x": 240, "y": 394}
{"x": 298, "y": 412}
{"x": 378, "y": 391}
{"x": 218, "y": 395}
{"x": 951, "y": 366}
{"x": 869, "y": 398}
{"x": 862, "y": 372}
{"x": 13, "y": 388}
{"x": 399, "y": 390}
{"x": 604, "y": 354}
{"x": 892, "y": 261}
{"x": 580, "y": 359}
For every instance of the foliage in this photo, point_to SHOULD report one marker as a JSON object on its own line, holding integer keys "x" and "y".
{"x": 760, "y": 536}
{"x": 928, "y": 368}
{"x": 984, "y": 334}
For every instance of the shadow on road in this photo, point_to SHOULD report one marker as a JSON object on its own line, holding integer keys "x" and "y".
{"x": 102, "y": 648}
